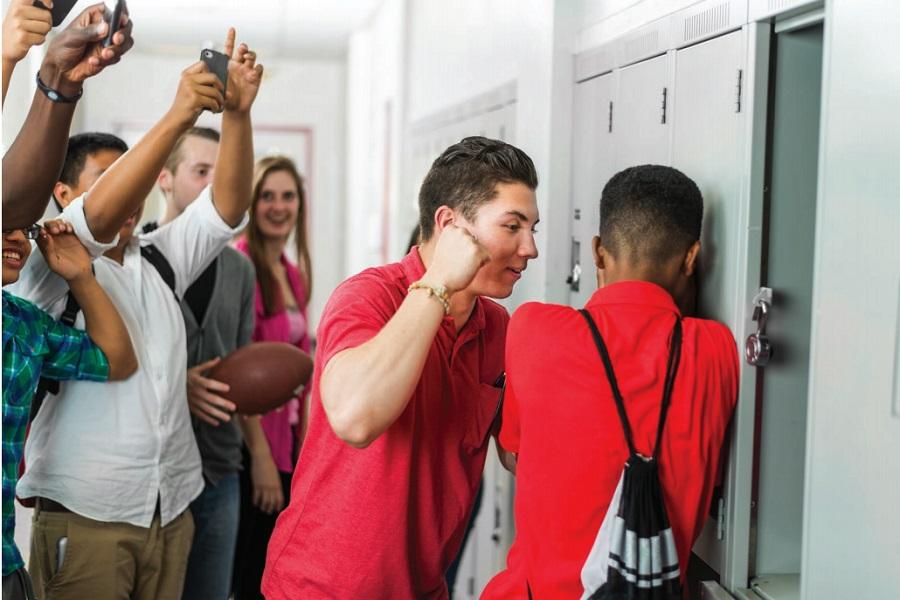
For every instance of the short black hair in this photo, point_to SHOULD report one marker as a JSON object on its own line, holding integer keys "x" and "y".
{"x": 466, "y": 175}
{"x": 83, "y": 145}
{"x": 650, "y": 213}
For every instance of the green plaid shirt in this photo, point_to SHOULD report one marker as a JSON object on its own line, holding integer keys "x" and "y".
{"x": 34, "y": 345}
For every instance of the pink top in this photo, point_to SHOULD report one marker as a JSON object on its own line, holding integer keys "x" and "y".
{"x": 279, "y": 425}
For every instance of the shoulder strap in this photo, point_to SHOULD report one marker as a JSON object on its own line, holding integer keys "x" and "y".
{"x": 70, "y": 313}
{"x": 162, "y": 266}
{"x": 671, "y": 369}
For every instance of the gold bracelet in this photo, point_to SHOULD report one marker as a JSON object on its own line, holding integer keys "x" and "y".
{"x": 438, "y": 292}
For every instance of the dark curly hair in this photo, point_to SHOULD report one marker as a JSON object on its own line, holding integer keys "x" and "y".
{"x": 650, "y": 213}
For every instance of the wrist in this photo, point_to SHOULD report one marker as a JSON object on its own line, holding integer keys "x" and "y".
{"x": 56, "y": 79}
{"x": 80, "y": 281}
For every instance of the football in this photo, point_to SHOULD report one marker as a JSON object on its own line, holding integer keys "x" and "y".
{"x": 263, "y": 375}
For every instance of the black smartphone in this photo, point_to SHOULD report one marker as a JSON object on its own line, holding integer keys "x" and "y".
{"x": 217, "y": 63}
{"x": 60, "y": 10}
{"x": 114, "y": 20}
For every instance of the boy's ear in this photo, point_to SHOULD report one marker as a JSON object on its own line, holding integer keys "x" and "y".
{"x": 164, "y": 181}
{"x": 62, "y": 193}
{"x": 599, "y": 252}
{"x": 444, "y": 216}
{"x": 690, "y": 259}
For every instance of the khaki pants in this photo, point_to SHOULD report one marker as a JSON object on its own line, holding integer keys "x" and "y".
{"x": 114, "y": 561}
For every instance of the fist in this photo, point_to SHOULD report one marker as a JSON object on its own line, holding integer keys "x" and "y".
{"x": 198, "y": 89}
{"x": 23, "y": 27}
{"x": 65, "y": 254}
{"x": 457, "y": 258}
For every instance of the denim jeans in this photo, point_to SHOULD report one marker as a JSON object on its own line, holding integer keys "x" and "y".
{"x": 210, "y": 562}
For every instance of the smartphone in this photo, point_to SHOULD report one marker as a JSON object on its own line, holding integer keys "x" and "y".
{"x": 61, "y": 545}
{"x": 217, "y": 63}
{"x": 115, "y": 19}
{"x": 60, "y": 10}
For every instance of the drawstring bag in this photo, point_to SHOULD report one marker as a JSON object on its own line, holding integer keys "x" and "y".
{"x": 634, "y": 554}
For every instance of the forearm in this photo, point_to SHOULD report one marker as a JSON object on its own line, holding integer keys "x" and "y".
{"x": 8, "y": 66}
{"x": 105, "y": 326}
{"x": 233, "y": 178}
{"x": 121, "y": 189}
{"x": 254, "y": 436}
{"x": 32, "y": 164}
{"x": 365, "y": 389}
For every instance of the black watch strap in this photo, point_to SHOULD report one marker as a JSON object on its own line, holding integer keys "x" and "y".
{"x": 55, "y": 96}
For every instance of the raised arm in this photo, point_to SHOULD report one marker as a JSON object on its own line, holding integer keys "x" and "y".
{"x": 24, "y": 26}
{"x": 125, "y": 185}
{"x": 365, "y": 389}
{"x": 68, "y": 258}
{"x": 232, "y": 181}
{"x": 32, "y": 164}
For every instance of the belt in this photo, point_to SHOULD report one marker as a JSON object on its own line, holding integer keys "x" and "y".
{"x": 50, "y": 505}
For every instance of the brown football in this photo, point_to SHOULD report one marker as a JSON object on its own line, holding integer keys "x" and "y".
{"x": 263, "y": 375}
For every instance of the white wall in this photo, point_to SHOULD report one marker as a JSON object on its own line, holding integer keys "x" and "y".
{"x": 295, "y": 95}
{"x": 851, "y": 527}
{"x": 375, "y": 112}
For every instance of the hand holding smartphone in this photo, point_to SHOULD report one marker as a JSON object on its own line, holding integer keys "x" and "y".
{"x": 114, "y": 18}
{"x": 61, "y": 9}
{"x": 217, "y": 63}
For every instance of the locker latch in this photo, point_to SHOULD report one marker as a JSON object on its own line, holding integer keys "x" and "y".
{"x": 758, "y": 349}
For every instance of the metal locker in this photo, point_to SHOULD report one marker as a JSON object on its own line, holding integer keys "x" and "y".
{"x": 592, "y": 166}
{"x": 708, "y": 145}
{"x": 642, "y": 113}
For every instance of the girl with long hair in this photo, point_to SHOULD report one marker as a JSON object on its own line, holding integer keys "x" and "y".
{"x": 277, "y": 213}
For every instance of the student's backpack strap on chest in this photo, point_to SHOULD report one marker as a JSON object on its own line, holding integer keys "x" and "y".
{"x": 634, "y": 553}
{"x": 156, "y": 258}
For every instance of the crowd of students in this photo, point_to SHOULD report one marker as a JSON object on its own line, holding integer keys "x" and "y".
{"x": 144, "y": 482}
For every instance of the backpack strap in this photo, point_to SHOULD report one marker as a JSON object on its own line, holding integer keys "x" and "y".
{"x": 671, "y": 369}
{"x": 70, "y": 313}
{"x": 162, "y": 266}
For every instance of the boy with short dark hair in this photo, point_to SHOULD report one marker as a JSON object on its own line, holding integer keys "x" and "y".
{"x": 403, "y": 395}
{"x": 559, "y": 415}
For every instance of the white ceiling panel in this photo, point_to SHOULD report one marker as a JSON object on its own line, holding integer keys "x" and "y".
{"x": 284, "y": 28}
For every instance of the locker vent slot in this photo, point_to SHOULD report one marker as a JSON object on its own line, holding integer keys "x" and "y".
{"x": 642, "y": 46}
{"x": 708, "y": 21}
{"x": 777, "y": 5}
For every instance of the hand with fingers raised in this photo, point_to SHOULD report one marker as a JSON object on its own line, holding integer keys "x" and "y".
{"x": 244, "y": 75}
{"x": 65, "y": 254}
{"x": 24, "y": 26}
{"x": 198, "y": 89}
{"x": 204, "y": 401}
{"x": 77, "y": 53}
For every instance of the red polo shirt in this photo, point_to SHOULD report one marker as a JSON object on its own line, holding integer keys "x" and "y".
{"x": 560, "y": 416}
{"x": 386, "y": 521}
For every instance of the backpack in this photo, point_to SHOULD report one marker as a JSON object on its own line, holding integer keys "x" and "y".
{"x": 634, "y": 555}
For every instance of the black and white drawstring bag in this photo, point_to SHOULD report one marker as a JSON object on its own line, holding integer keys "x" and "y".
{"x": 634, "y": 554}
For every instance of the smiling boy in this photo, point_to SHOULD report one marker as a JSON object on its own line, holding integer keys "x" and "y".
{"x": 404, "y": 394}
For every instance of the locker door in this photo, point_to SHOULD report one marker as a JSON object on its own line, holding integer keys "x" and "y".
{"x": 708, "y": 140}
{"x": 592, "y": 166}
{"x": 642, "y": 132}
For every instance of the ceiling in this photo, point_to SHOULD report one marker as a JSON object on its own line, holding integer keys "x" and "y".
{"x": 284, "y": 28}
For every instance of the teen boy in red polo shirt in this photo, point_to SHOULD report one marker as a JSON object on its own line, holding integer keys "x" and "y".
{"x": 403, "y": 392}
{"x": 559, "y": 415}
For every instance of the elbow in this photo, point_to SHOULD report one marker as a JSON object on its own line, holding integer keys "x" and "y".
{"x": 123, "y": 367}
{"x": 348, "y": 425}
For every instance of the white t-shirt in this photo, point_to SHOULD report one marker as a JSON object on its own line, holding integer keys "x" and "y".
{"x": 108, "y": 450}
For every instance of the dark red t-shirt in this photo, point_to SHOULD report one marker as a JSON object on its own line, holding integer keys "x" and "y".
{"x": 560, "y": 416}
{"x": 386, "y": 521}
